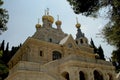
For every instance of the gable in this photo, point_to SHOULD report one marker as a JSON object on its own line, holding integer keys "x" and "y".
{"x": 69, "y": 42}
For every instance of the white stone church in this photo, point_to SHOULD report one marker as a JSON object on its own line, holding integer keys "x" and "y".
{"x": 51, "y": 54}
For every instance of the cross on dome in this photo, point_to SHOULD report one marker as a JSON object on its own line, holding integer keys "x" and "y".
{"x": 47, "y": 11}
{"x": 78, "y": 24}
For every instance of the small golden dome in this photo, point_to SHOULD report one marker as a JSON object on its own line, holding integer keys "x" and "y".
{"x": 50, "y": 18}
{"x": 45, "y": 17}
{"x": 38, "y": 26}
{"x": 78, "y": 25}
{"x": 58, "y": 22}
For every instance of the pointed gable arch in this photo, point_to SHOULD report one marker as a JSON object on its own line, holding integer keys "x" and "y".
{"x": 69, "y": 42}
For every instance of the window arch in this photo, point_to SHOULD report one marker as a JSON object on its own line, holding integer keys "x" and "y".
{"x": 81, "y": 76}
{"x": 66, "y": 75}
{"x": 76, "y": 42}
{"x": 50, "y": 40}
{"x": 56, "y": 55}
{"x": 110, "y": 77}
{"x": 81, "y": 41}
{"x": 97, "y": 75}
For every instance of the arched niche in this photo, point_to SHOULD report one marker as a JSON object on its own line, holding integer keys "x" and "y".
{"x": 66, "y": 75}
{"x": 56, "y": 55}
{"x": 110, "y": 77}
{"x": 82, "y": 75}
{"x": 98, "y": 75}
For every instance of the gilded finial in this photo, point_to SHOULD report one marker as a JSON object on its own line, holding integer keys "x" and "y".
{"x": 47, "y": 11}
{"x": 58, "y": 17}
{"x": 38, "y": 20}
{"x": 77, "y": 25}
{"x": 38, "y": 25}
{"x": 58, "y": 22}
{"x": 77, "y": 20}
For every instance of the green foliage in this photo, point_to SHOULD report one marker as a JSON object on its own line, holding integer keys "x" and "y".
{"x": 5, "y": 56}
{"x": 88, "y": 7}
{"x": 3, "y": 70}
{"x": 3, "y": 66}
{"x": 3, "y": 18}
{"x": 98, "y": 50}
{"x": 93, "y": 46}
{"x": 1, "y": 2}
{"x": 1, "y": 53}
{"x": 2, "y": 45}
{"x": 116, "y": 59}
{"x": 101, "y": 53}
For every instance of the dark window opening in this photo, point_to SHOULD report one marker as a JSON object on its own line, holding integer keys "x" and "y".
{"x": 97, "y": 76}
{"x": 81, "y": 41}
{"x": 56, "y": 55}
{"x": 76, "y": 42}
{"x": 66, "y": 75}
{"x": 50, "y": 40}
{"x": 81, "y": 75}
{"x": 110, "y": 77}
{"x": 41, "y": 53}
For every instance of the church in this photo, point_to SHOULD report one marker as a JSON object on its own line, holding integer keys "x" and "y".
{"x": 51, "y": 54}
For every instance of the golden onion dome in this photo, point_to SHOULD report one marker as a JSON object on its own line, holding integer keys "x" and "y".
{"x": 38, "y": 26}
{"x": 78, "y": 25}
{"x": 50, "y": 18}
{"x": 45, "y": 17}
{"x": 58, "y": 22}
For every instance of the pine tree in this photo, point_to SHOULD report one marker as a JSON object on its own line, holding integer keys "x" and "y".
{"x": 6, "y": 54}
{"x": 2, "y": 45}
{"x": 3, "y": 66}
{"x": 101, "y": 53}
{"x": 93, "y": 46}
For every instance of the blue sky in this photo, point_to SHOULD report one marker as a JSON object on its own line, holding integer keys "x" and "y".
{"x": 24, "y": 16}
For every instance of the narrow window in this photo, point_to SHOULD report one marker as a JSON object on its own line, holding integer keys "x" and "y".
{"x": 97, "y": 75}
{"x": 56, "y": 55}
{"x": 66, "y": 75}
{"x": 41, "y": 53}
{"x": 50, "y": 40}
{"x": 81, "y": 75}
{"x": 76, "y": 42}
{"x": 81, "y": 41}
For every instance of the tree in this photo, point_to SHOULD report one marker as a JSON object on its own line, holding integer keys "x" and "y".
{"x": 3, "y": 70}
{"x": 116, "y": 59}
{"x": 2, "y": 45}
{"x": 3, "y": 18}
{"x": 88, "y": 7}
{"x": 101, "y": 53}
{"x": 93, "y": 46}
{"x": 5, "y": 56}
{"x": 3, "y": 67}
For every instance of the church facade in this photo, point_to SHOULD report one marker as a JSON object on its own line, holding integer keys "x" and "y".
{"x": 51, "y": 54}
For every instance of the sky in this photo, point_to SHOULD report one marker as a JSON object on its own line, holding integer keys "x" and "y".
{"x": 24, "y": 14}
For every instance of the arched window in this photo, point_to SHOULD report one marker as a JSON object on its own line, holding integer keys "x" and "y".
{"x": 76, "y": 42}
{"x": 41, "y": 53}
{"x": 81, "y": 75}
{"x": 110, "y": 77}
{"x": 81, "y": 41}
{"x": 50, "y": 40}
{"x": 97, "y": 75}
{"x": 66, "y": 75}
{"x": 56, "y": 55}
